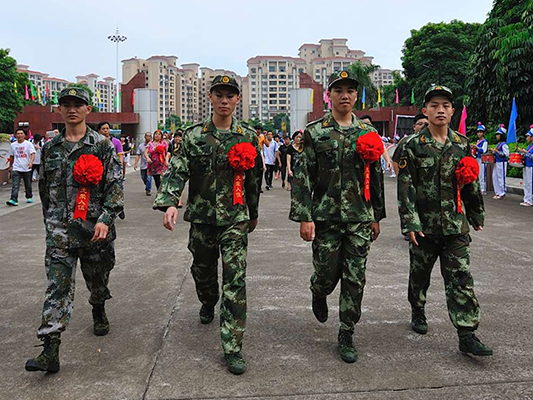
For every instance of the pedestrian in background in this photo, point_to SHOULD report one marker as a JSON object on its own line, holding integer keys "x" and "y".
{"x": 282, "y": 157}
{"x": 499, "y": 173}
{"x": 140, "y": 156}
{"x": 527, "y": 174}
{"x": 21, "y": 157}
{"x": 38, "y": 143}
{"x": 155, "y": 154}
{"x": 270, "y": 149}
{"x": 295, "y": 149}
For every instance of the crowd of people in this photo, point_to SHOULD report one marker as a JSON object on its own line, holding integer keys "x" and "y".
{"x": 336, "y": 180}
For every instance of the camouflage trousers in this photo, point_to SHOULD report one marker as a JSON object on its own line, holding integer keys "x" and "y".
{"x": 340, "y": 251}
{"x": 96, "y": 260}
{"x": 205, "y": 244}
{"x": 454, "y": 254}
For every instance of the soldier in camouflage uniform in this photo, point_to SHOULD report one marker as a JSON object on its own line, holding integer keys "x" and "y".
{"x": 217, "y": 223}
{"x": 427, "y": 200}
{"x": 69, "y": 239}
{"x": 328, "y": 201}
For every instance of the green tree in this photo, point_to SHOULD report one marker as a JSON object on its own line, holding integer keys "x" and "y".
{"x": 404, "y": 91}
{"x": 501, "y": 66}
{"x": 11, "y": 99}
{"x": 279, "y": 118}
{"x": 363, "y": 74}
{"x": 439, "y": 53}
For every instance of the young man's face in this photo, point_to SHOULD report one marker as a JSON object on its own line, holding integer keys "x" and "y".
{"x": 177, "y": 139}
{"x": 529, "y": 138}
{"x": 74, "y": 111}
{"x": 343, "y": 97}
{"x": 269, "y": 136}
{"x": 147, "y": 137}
{"x": 20, "y": 136}
{"x": 104, "y": 130}
{"x": 420, "y": 124}
{"x": 224, "y": 101}
{"x": 480, "y": 134}
{"x": 287, "y": 140}
{"x": 439, "y": 111}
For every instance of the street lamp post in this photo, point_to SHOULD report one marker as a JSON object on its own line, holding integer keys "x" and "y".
{"x": 117, "y": 38}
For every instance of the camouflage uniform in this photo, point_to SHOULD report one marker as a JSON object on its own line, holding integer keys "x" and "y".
{"x": 69, "y": 239}
{"x": 328, "y": 189}
{"x": 427, "y": 182}
{"x": 216, "y": 223}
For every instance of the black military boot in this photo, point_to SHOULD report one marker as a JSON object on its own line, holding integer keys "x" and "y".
{"x": 418, "y": 321}
{"x": 320, "y": 308}
{"x": 207, "y": 314}
{"x": 48, "y": 360}
{"x": 235, "y": 362}
{"x": 100, "y": 321}
{"x": 469, "y": 343}
{"x": 346, "y": 348}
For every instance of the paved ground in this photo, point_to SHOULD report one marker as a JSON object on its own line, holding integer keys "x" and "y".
{"x": 157, "y": 349}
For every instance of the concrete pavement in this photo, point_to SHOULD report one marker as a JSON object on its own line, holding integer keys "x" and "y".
{"x": 157, "y": 349}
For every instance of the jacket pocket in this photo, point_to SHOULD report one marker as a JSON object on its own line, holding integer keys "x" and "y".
{"x": 327, "y": 154}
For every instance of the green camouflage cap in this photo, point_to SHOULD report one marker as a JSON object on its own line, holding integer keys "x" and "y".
{"x": 75, "y": 92}
{"x": 343, "y": 75}
{"x": 225, "y": 80}
{"x": 438, "y": 90}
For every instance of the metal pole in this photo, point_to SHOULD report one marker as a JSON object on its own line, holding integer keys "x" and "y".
{"x": 117, "y": 38}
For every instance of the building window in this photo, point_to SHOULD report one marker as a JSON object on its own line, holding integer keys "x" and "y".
{"x": 273, "y": 83}
{"x": 254, "y": 70}
{"x": 272, "y": 102}
{"x": 272, "y": 95}
{"x": 272, "y": 89}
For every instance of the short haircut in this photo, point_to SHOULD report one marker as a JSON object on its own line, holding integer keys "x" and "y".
{"x": 419, "y": 117}
{"x": 177, "y": 134}
{"x": 20, "y": 129}
{"x": 36, "y": 137}
{"x": 366, "y": 116}
{"x": 103, "y": 123}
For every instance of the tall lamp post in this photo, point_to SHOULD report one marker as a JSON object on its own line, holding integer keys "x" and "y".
{"x": 117, "y": 38}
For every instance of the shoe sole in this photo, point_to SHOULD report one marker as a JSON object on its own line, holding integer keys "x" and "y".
{"x": 419, "y": 331}
{"x": 100, "y": 333}
{"x": 34, "y": 368}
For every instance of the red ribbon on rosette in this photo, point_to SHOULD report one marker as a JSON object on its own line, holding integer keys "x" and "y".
{"x": 466, "y": 172}
{"x": 160, "y": 150}
{"x": 241, "y": 157}
{"x": 370, "y": 148}
{"x": 88, "y": 170}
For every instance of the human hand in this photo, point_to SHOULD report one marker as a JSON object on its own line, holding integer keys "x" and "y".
{"x": 307, "y": 231}
{"x": 412, "y": 237}
{"x": 478, "y": 228}
{"x": 100, "y": 232}
{"x": 170, "y": 218}
{"x": 375, "y": 230}
{"x": 252, "y": 225}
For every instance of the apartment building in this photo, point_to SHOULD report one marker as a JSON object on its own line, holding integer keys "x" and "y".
{"x": 329, "y": 55}
{"x": 103, "y": 91}
{"x": 206, "y": 77}
{"x": 383, "y": 76}
{"x": 42, "y": 81}
{"x": 269, "y": 79}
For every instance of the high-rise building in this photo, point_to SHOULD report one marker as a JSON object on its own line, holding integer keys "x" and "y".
{"x": 103, "y": 91}
{"x": 270, "y": 78}
{"x": 206, "y": 77}
{"x": 383, "y": 76}
{"x": 328, "y": 56}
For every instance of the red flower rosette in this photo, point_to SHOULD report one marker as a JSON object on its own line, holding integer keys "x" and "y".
{"x": 160, "y": 151}
{"x": 241, "y": 157}
{"x": 370, "y": 148}
{"x": 466, "y": 172}
{"x": 87, "y": 170}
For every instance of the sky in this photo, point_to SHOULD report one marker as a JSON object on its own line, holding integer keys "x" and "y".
{"x": 69, "y": 38}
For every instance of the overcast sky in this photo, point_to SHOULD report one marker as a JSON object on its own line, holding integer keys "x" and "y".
{"x": 69, "y": 38}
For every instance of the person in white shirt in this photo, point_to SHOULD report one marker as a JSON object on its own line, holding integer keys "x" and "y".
{"x": 270, "y": 149}
{"x": 22, "y": 155}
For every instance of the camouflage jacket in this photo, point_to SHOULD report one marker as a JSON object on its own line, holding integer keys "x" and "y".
{"x": 427, "y": 186}
{"x": 203, "y": 161}
{"x": 58, "y": 191}
{"x": 329, "y": 176}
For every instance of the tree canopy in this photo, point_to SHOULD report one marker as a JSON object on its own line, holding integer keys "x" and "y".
{"x": 501, "y": 67}
{"x": 363, "y": 74}
{"x": 11, "y": 90}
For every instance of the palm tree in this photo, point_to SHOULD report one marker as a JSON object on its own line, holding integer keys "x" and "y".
{"x": 363, "y": 74}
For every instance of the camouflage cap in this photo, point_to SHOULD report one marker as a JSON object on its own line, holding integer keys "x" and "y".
{"x": 343, "y": 75}
{"x": 438, "y": 90}
{"x": 75, "y": 92}
{"x": 225, "y": 80}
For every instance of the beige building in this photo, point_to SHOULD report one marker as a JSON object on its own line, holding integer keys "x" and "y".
{"x": 103, "y": 91}
{"x": 42, "y": 81}
{"x": 269, "y": 80}
{"x": 383, "y": 76}
{"x": 329, "y": 55}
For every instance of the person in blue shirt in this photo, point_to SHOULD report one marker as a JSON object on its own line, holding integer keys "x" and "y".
{"x": 527, "y": 176}
{"x": 480, "y": 149}
{"x": 500, "y": 169}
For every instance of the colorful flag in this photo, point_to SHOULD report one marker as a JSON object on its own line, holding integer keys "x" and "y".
{"x": 413, "y": 96}
{"x": 379, "y": 97}
{"x": 47, "y": 91}
{"x": 39, "y": 95}
{"x": 15, "y": 86}
{"x": 462, "y": 124}
{"x": 32, "y": 91}
{"x": 55, "y": 98}
{"x": 397, "y": 97}
{"x": 326, "y": 99}
{"x": 363, "y": 98}
{"x": 383, "y": 101}
{"x": 511, "y": 133}
{"x": 133, "y": 101}
{"x": 312, "y": 96}
{"x": 27, "y": 97}
{"x": 98, "y": 96}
